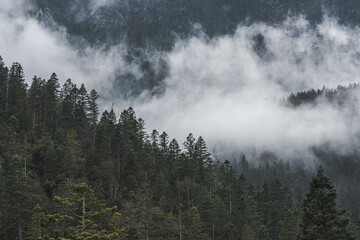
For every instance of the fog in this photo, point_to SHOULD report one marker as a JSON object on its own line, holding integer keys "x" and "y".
{"x": 42, "y": 51}
{"x": 223, "y": 90}
{"x": 230, "y": 90}
{"x": 95, "y": 4}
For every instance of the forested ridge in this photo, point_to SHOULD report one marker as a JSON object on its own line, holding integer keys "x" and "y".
{"x": 149, "y": 24}
{"x": 69, "y": 172}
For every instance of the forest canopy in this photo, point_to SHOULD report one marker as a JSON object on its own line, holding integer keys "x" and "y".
{"x": 67, "y": 172}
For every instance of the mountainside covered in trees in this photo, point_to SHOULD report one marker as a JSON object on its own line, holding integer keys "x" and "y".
{"x": 159, "y": 23}
{"x": 68, "y": 173}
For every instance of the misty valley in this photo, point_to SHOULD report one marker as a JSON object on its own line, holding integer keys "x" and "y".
{"x": 187, "y": 120}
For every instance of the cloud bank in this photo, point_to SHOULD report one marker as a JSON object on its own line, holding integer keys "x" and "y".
{"x": 228, "y": 89}
{"x": 42, "y": 51}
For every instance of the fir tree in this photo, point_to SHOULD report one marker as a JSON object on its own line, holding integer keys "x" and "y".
{"x": 321, "y": 219}
{"x": 3, "y": 90}
{"x": 17, "y": 94}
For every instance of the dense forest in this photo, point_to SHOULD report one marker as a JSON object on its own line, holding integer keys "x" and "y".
{"x": 67, "y": 172}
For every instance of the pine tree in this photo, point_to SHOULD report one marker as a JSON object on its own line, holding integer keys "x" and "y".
{"x": 100, "y": 164}
{"x": 79, "y": 214}
{"x": 93, "y": 111}
{"x": 321, "y": 219}
{"x": 35, "y": 102}
{"x": 19, "y": 193}
{"x": 46, "y": 164}
{"x": 17, "y": 94}
{"x": 81, "y": 107}
{"x": 194, "y": 226}
{"x": 51, "y": 105}
{"x": 3, "y": 90}
{"x": 203, "y": 161}
{"x": 289, "y": 227}
{"x": 69, "y": 94}
{"x": 71, "y": 163}
{"x": 188, "y": 163}
{"x": 166, "y": 165}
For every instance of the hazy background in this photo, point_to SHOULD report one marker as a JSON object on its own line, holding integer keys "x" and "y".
{"x": 230, "y": 88}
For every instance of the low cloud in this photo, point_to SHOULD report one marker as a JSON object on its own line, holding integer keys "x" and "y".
{"x": 96, "y": 4}
{"x": 42, "y": 51}
{"x": 229, "y": 90}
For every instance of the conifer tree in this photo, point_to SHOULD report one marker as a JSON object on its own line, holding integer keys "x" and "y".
{"x": 166, "y": 165}
{"x": 3, "y": 90}
{"x": 69, "y": 94}
{"x": 289, "y": 227}
{"x": 51, "y": 104}
{"x": 19, "y": 193}
{"x": 81, "y": 107}
{"x": 17, "y": 94}
{"x": 203, "y": 160}
{"x": 194, "y": 226}
{"x": 188, "y": 164}
{"x": 35, "y": 102}
{"x": 321, "y": 219}
{"x": 174, "y": 151}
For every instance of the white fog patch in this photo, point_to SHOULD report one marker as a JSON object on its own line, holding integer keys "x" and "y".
{"x": 222, "y": 90}
{"x": 226, "y": 89}
{"x": 42, "y": 51}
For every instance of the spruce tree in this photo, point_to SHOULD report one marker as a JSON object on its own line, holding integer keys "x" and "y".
{"x": 321, "y": 219}
{"x": 69, "y": 95}
{"x": 51, "y": 104}
{"x": 35, "y": 102}
{"x": 17, "y": 94}
{"x": 3, "y": 90}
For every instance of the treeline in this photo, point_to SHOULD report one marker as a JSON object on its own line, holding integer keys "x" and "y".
{"x": 338, "y": 96}
{"x": 68, "y": 173}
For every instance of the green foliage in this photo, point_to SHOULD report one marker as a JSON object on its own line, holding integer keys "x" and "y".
{"x": 65, "y": 174}
{"x": 17, "y": 94}
{"x": 321, "y": 219}
{"x": 4, "y": 81}
{"x": 194, "y": 227}
{"x": 289, "y": 227}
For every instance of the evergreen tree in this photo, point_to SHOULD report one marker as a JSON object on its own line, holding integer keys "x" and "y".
{"x": 35, "y": 102}
{"x": 203, "y": 161}
{"x": 81, "y": 117}
{"x": 79, "y": 214}
{"x": 3, "y": 91}
{"x": 188, "y": 163}
{"x": 166, "y": 165}
{"x": 100, "y": 166}
{"x": 19, "y": 194}
{"x": 71, "y": 163}
{"x": 51, "y": 104}
{"x": 321, "y": 219}
{"x": 69, "y": 95}
{"x": 17, "y": 94}
{"x": 93, "y": 111}
{"x": 46, "y": 164}
{"x": 289, "y": 227}
{"x": 194, "y": 226}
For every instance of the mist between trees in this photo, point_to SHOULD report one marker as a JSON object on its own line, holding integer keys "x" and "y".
{"x": 68, "y": 173}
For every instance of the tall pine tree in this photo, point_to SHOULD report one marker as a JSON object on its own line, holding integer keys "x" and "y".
{"x": 321, "y": 219}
